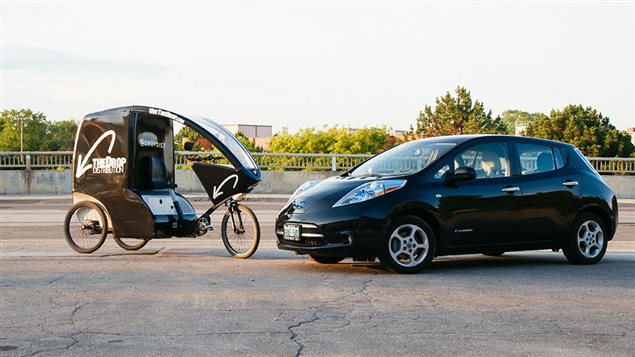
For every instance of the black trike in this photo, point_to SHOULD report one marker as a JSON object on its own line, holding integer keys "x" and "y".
{"x": 124, "y": 182}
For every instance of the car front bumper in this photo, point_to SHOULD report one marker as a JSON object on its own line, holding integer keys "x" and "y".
{"x": 357, "y": 238}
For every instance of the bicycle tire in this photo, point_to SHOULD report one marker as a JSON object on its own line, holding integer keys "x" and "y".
{"x": 120, "y": 242}
{"x": 233, "y": 238}
{"x": 90, "y": 221}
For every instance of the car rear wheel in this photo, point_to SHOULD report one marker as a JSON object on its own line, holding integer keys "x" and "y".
{"x": 409, "y": 246}
{"x": 587, "y": 241}
{"x": 325, "y": 260}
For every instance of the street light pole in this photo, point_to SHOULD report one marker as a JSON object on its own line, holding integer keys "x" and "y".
{"x": 21, "y": 135}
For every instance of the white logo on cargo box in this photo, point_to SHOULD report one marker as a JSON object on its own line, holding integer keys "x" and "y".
{"x": 109, "y": 165}
{"x": 104, "y": 165}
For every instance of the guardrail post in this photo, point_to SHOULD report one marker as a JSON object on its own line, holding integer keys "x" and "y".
{"x": 333, "y": 163}
{"x": 28, "y": 162}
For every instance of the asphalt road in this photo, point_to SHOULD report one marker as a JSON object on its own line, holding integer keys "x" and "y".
{"x": 187, "y": 296}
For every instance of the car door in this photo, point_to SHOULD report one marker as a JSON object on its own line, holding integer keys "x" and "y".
{"x": 550, "y": 191}
{"x": 485, "y": 210}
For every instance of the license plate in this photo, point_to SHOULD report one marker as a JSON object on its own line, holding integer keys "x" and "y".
{"x": 292, "y": 232}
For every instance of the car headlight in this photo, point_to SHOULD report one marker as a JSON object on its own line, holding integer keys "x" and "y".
{"x": 370, "y": 190}
{"x": 304, "y": 187}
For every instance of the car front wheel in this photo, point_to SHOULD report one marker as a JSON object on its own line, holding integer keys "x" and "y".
{"x": 409, "y": 246}
{"x": 587, "y": 241}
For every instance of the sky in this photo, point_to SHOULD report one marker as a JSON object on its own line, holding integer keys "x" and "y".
{"x": 309, "y": 64}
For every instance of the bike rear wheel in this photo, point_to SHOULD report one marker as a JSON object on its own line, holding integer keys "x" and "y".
{"x": 130, "y": 243}
{"x": 240, "y": 231}
{"x": 85, "y": 227}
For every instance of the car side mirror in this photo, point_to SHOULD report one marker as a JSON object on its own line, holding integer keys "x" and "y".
{"x": 188, "y": 146}
{"x": 461, "y": 174}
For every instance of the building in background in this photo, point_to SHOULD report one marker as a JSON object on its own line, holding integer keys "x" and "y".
{"x": 631, "y": 131}
{"x": 392, "y": 132}
{"x": 261, "y": 134}
{"x": 520, "y": 129}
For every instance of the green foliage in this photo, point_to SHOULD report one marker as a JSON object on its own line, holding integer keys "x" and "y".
{"x": 249, "y": 144}
{"x": 188, "y": 134}
{"x": 457, "y": 115}
{"x": 61, "y": 136}
{"x": 585, "y": 128}
{"x": 332, "y": 140}
{"x": 184, "y": 135}
{"x": 513, "y": 117}
{"x": 39, "y": 134}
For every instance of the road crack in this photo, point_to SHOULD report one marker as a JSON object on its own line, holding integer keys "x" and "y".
{"x": 294, "y": 335}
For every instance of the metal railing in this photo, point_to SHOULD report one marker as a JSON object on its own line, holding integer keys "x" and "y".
{"x": 36, "y": 160}
{"x": 281, "y": 161}
{"x": 266, "y": 161}
{"x": 613, "y": 165}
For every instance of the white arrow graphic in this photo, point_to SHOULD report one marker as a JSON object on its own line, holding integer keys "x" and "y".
{"x": 217, "y": 192}
{"x": 82, "y": 167}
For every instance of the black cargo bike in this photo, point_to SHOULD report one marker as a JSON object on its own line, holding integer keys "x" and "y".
{"x": 124, "y": 182}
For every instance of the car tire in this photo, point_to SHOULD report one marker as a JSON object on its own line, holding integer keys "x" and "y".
{"x": 494, "y": 254}
{"x": 587, "y": 241}
{"x": 409, "y": 245}
{"x": 325, "y": 260}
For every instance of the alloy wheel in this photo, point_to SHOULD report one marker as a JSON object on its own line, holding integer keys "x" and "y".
{"x": 408, "y": 245}
{"x": 590, "y": 239}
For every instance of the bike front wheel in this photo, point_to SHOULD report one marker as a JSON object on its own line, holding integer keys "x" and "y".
{"x": 240, "y": 231}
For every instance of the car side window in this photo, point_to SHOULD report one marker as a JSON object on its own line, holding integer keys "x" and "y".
{"x": 538, "y": 158}
{"x": 559, "y": 158}
{"x": 440, "y": 174}
{"x": 488, "y": 160}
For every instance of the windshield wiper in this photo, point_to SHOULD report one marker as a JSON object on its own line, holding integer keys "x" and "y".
{"x": 368, "y": 175}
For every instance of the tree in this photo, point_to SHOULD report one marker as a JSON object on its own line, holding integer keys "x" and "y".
{"x": 249, "y": 144}
{"x": 333, "y": 140}
{"x": 513, "y": 117}
{"x": 187, "y": 134}
{"x": 362, "y": 141}
{"x": 585, "y": 128}
{"x": 457, "y": 115}
{"x": 35, "y": 131}
{"x": 61, "y": 136}
{"x": 306, "y": 140}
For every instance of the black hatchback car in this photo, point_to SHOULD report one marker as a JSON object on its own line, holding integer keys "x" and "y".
{"x": 451, "y": 195}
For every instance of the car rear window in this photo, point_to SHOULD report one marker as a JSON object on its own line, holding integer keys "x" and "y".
{"x": 536, "y": 158}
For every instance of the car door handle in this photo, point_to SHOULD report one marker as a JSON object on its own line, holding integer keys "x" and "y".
{"x": 570, "y": 183}
{"x": 511, "y": 189}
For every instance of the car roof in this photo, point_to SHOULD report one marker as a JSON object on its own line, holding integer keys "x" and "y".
{"x": 459, "y": 139}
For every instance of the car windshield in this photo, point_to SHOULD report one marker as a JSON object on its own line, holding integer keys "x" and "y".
{"x": 404, "y": 159}
{"x": 227, "y": 139}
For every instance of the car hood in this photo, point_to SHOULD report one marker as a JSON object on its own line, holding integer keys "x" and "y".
{"x": 329, "y": 191}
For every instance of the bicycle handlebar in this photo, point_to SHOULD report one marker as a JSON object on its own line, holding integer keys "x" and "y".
{"x": 199, "y": 158}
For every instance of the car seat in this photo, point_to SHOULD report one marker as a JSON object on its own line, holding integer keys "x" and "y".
{"x": 544, "y": 162}
{"x": 491, "y": 164}
{"x": 157, "y": 173}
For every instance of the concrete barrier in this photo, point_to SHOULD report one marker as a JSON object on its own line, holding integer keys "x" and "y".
{"x": 15, "y": 182}
{"x": 272, "y": 181}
